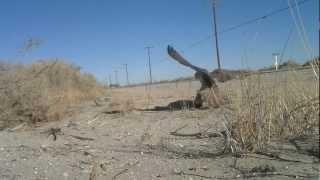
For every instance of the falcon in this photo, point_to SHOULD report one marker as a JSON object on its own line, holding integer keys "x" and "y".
{"x": 207, "y": 82}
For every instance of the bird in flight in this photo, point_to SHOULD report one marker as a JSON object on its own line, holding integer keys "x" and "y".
{"x": 201, "y": 74}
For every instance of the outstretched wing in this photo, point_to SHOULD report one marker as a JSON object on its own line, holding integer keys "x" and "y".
{"x": 202, "y": 74}
{"x": 176, "y": 56}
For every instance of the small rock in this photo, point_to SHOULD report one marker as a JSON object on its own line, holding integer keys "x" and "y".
{"x": 43, "y": 147}
{"x": 180, "y": 145}
{"x": 65, "y": 174}
{"x": 205, "y": 168}
{"x": 177, "y": 171}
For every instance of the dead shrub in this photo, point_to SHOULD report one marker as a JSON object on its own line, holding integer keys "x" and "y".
{"x": 41, "y": 91}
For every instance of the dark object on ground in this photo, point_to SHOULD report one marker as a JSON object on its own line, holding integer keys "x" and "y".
{"x": 265, "y": 168}
{"x": 307, "y": 144}
{"x": 112, "y": 112}
{"x": 54, "y": 132}
{"x": 177, "y": 105}
{"x": 174, "y": 106}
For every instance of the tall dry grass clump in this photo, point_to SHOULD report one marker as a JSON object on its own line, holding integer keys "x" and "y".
{"x": 274, "y": 106}
{"x": 41, "y": 91}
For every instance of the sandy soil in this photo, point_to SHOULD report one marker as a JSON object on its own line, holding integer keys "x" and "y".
{"x": 137, "y": 144}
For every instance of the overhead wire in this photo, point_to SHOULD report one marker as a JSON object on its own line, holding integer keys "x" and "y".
{"x": 244, "y": 57}
{"x": 301, "y": 31}
{"x": 300, "y": 28}
{"x": 251, "y": 21}
{"x": 284, "y": 48}
{"x": 303, "y": 27}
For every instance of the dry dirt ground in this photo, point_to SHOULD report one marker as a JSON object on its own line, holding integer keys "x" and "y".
{"x": 98, "y": 142}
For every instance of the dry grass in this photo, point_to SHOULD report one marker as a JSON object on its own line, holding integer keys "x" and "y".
{"x": 274, "y": 106}
{"x": 42, "y": 91}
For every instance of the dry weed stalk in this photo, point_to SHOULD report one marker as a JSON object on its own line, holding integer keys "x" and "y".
{"x": 279, "y": 107}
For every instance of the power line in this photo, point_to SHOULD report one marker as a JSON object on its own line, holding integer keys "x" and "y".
{"x": 301, "y": 31}
{"x": 286, "y": 45}
{"x": 251, "y": 21}
{"x": 300, "y": 27}
{"x": 262, "y": 17}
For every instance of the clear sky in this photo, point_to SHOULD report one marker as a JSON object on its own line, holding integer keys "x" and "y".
{"x": 102, "y": 35}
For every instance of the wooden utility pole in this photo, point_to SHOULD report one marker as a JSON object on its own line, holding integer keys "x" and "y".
{"x": 116, "y": 77}
{"x": 110, "y": 80}
{"x": 150, "y": 72}
{"x": 214, "y": 3}
{"x": 127, "y": 75}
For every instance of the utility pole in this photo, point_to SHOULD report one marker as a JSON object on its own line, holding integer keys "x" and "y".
{"x": 214, "y": 3}
{"x": 116, "y": 77}
{"x": 110, "y": 80}
{"x": 150, "y": 72}
{"x": 127, "y": 75}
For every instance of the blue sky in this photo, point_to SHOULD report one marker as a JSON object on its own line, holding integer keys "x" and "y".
{"x": 102, "y": 35}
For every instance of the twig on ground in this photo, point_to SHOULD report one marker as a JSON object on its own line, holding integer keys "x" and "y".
{"x": 277, "y": 157}
{"x": 248, "y": 175}
{"x": 93, "y": 173}
{"x": 203, "y": 134}
{"x": 184, "y": 126}
{"x": 192, "y": 174}
{"x": 124, "y": 170}
{"x": 129, "y": 151}
{"x": 252, "y": 175}
{"x": 94, "y": 119}
{"x": 270, "y": 156}
{"x": 82, "y": 138}
{"x": 198, "y": 134}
